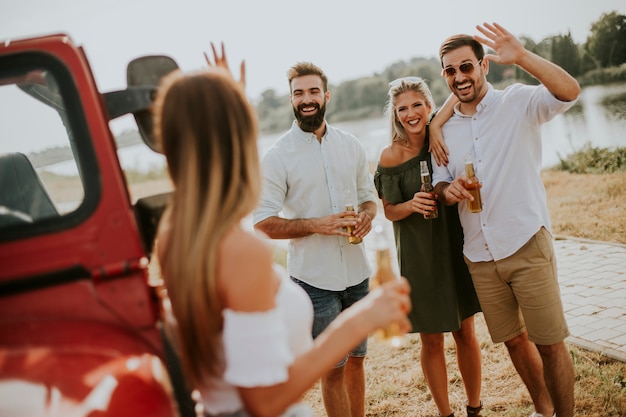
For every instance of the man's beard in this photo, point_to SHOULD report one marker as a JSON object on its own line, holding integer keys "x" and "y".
{"x": 310, "y": 123}
{"x": 477, "y": 86}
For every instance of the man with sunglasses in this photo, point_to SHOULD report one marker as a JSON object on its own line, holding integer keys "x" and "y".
{"x": 508, "y": 245}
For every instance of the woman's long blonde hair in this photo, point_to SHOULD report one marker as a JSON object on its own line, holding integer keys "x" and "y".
{"x": 208, "y": 132}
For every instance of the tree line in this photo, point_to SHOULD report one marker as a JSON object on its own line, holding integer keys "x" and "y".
{"x": 600, "y": 59}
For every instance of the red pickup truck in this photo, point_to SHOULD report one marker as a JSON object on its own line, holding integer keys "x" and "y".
{"x": 81, "y": 322}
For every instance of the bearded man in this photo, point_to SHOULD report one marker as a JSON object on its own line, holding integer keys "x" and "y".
{"x": 310, "y": 175}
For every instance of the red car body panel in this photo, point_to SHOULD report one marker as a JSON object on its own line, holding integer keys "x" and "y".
{"x": 85, "y": 343}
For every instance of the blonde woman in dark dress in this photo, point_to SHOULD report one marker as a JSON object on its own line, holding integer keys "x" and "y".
{"x": 429, "y": 251}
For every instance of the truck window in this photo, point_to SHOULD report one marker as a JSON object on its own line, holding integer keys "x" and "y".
{"x": 39, "y": 172}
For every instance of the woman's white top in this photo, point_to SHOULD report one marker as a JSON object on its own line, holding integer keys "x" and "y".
{"x": 259, "y": 348}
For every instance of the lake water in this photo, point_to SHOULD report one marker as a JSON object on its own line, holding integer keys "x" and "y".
{"x": 588, "y": 122}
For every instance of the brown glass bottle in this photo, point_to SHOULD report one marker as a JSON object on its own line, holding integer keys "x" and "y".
{"x": 350, "y": 229}
{"x": 427, "y": 187}
{"x": 385, "y": 273}
{"x": 475, "y": 206}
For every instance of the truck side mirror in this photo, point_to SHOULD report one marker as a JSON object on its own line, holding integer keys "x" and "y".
{"x": 147, "y": 72}
{"x": 143, "y": 76}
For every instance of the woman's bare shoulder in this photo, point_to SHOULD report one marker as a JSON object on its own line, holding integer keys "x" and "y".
{"x": 239, "y": 241}
{"x": 390, "y": 156}
{"x": 245, "y": 271}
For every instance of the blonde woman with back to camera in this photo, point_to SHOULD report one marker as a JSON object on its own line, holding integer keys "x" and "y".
{"x": 243, "y": 328}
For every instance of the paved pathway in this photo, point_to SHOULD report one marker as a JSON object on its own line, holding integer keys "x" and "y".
{"x": 593, "y": 286}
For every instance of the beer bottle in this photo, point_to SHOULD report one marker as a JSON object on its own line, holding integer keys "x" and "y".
{"x": 475, "y": 206}
{"x": 350, "y": 207}
{"x": 427, "y": 187}
{"x": 385, "y": 273}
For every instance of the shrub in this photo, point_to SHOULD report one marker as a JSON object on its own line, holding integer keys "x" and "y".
{"x": 604, "y": 76}
{"x": 594, "y": 160}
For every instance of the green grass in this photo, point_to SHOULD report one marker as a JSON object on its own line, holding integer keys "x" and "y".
{"x": 593, "y": 160}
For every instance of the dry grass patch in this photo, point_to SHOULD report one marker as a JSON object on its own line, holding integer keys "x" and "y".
{"x": 590, "y": 206}
{"x": 395, "y": 385}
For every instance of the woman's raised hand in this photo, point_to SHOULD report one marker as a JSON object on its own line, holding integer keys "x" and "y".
{"x": 222, "y": 62}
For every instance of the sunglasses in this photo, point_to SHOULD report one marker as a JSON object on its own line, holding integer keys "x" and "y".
{"x": 465, "y": 68}
{"x": 398, "y": 81}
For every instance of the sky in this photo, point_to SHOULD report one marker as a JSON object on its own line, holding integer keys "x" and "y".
{"x": 346, "y": 38}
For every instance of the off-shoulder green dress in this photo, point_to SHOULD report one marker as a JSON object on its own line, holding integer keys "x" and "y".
{"x": 430, "y": 253}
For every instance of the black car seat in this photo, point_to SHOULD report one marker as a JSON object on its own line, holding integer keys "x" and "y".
{"x": 23, "y": 198}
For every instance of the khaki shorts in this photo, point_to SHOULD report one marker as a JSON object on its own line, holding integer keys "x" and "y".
{"x": 521, "y": 293}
